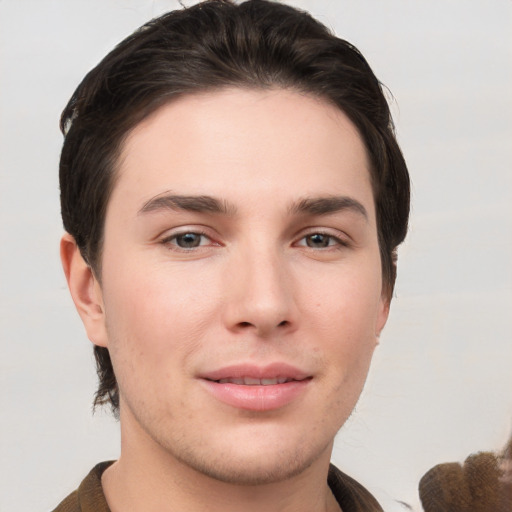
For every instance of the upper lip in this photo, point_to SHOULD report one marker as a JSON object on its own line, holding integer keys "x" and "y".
{"x": 269, "y": 371}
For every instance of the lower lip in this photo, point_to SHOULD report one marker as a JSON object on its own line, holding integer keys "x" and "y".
{"x": 257, "y": 398}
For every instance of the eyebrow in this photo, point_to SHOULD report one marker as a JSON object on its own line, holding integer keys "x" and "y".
{"x": 201, "y": 204}
{"x": 327, "y": 206}
{"x": 208, "y": 204}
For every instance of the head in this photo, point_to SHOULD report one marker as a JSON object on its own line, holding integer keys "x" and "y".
{"x": 207, "y": 51}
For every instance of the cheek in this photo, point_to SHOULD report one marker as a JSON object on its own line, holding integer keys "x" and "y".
{"x": 346, "y": 300}
{"x": 342, "y": 318}
{"x": 155, "y": 319}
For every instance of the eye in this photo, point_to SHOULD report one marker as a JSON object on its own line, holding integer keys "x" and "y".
{"x": 188, "y": 240}
{"x": 318, "y": 240}
{"x": 321, "y": 241}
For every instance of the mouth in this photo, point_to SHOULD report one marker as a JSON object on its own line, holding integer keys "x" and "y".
{"x": 257, "y": 388}
{"x": 251, "y": 381}
{"x": 254, "y": 375}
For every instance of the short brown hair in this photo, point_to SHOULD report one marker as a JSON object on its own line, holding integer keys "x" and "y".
{"x": 215, "y": 44}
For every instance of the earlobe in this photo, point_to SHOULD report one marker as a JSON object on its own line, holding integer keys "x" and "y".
{"x": 85, "y": 290}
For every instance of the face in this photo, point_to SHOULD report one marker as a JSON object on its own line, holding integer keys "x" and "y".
{"x": 241, "y": 292}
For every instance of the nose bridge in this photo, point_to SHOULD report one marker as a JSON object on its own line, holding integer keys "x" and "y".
{"x": 261, "y": 295}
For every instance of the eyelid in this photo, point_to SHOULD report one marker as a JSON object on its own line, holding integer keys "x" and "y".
{"x": 175, "y": 234}
{"x": 172, "y": 234}
{"x": 342, "y": 238}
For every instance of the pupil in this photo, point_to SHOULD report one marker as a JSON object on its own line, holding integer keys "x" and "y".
{"x": 318, "y": 240}
{"x": 188, "y": 240}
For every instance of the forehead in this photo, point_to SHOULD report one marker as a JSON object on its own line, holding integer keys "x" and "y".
{"x": 238, "y": 142}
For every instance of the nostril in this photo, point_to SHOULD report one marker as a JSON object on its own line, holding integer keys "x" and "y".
{"x": 284, "y": 323}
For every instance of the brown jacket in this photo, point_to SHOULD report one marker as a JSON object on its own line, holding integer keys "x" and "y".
{"x": 89, "y": 497}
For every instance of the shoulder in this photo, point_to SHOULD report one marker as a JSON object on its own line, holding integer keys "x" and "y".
{"x": 89, "y": 496}
{"x": 350, "y": 494}
{"x": 69, "y": 504}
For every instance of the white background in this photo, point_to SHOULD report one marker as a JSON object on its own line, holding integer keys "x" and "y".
{"x": 441, "y": 382}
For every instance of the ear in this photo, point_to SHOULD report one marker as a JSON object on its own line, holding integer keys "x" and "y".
{"x": 382, "y": 314}
{"x": 85, "y": 290}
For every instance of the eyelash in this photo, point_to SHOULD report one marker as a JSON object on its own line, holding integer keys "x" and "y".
{"x": 338, "y": 244}
{"x": 171, "y": 240}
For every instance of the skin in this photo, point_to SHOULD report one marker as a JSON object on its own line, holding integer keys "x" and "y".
{"x": 260, "y": 283}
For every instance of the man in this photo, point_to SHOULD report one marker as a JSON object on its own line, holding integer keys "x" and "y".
{"x": 233, "y": 196}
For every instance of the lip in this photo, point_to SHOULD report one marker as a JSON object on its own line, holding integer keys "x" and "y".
{"x": 256, "y": 397}
{"x": 269, "y": 371}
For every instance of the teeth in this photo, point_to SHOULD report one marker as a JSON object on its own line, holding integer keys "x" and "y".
{"x": 231, "y": 381}
{"x": 251, "y": 381}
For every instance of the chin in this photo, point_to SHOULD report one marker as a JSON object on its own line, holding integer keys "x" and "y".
{"x": 255, "y": 464}
{"x": 253, "y": 472}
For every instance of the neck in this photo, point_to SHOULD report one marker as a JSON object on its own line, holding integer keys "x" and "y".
{"x": 148, "y": 478}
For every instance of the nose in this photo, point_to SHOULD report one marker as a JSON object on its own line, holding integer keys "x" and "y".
{"x": 260, "y": 295}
